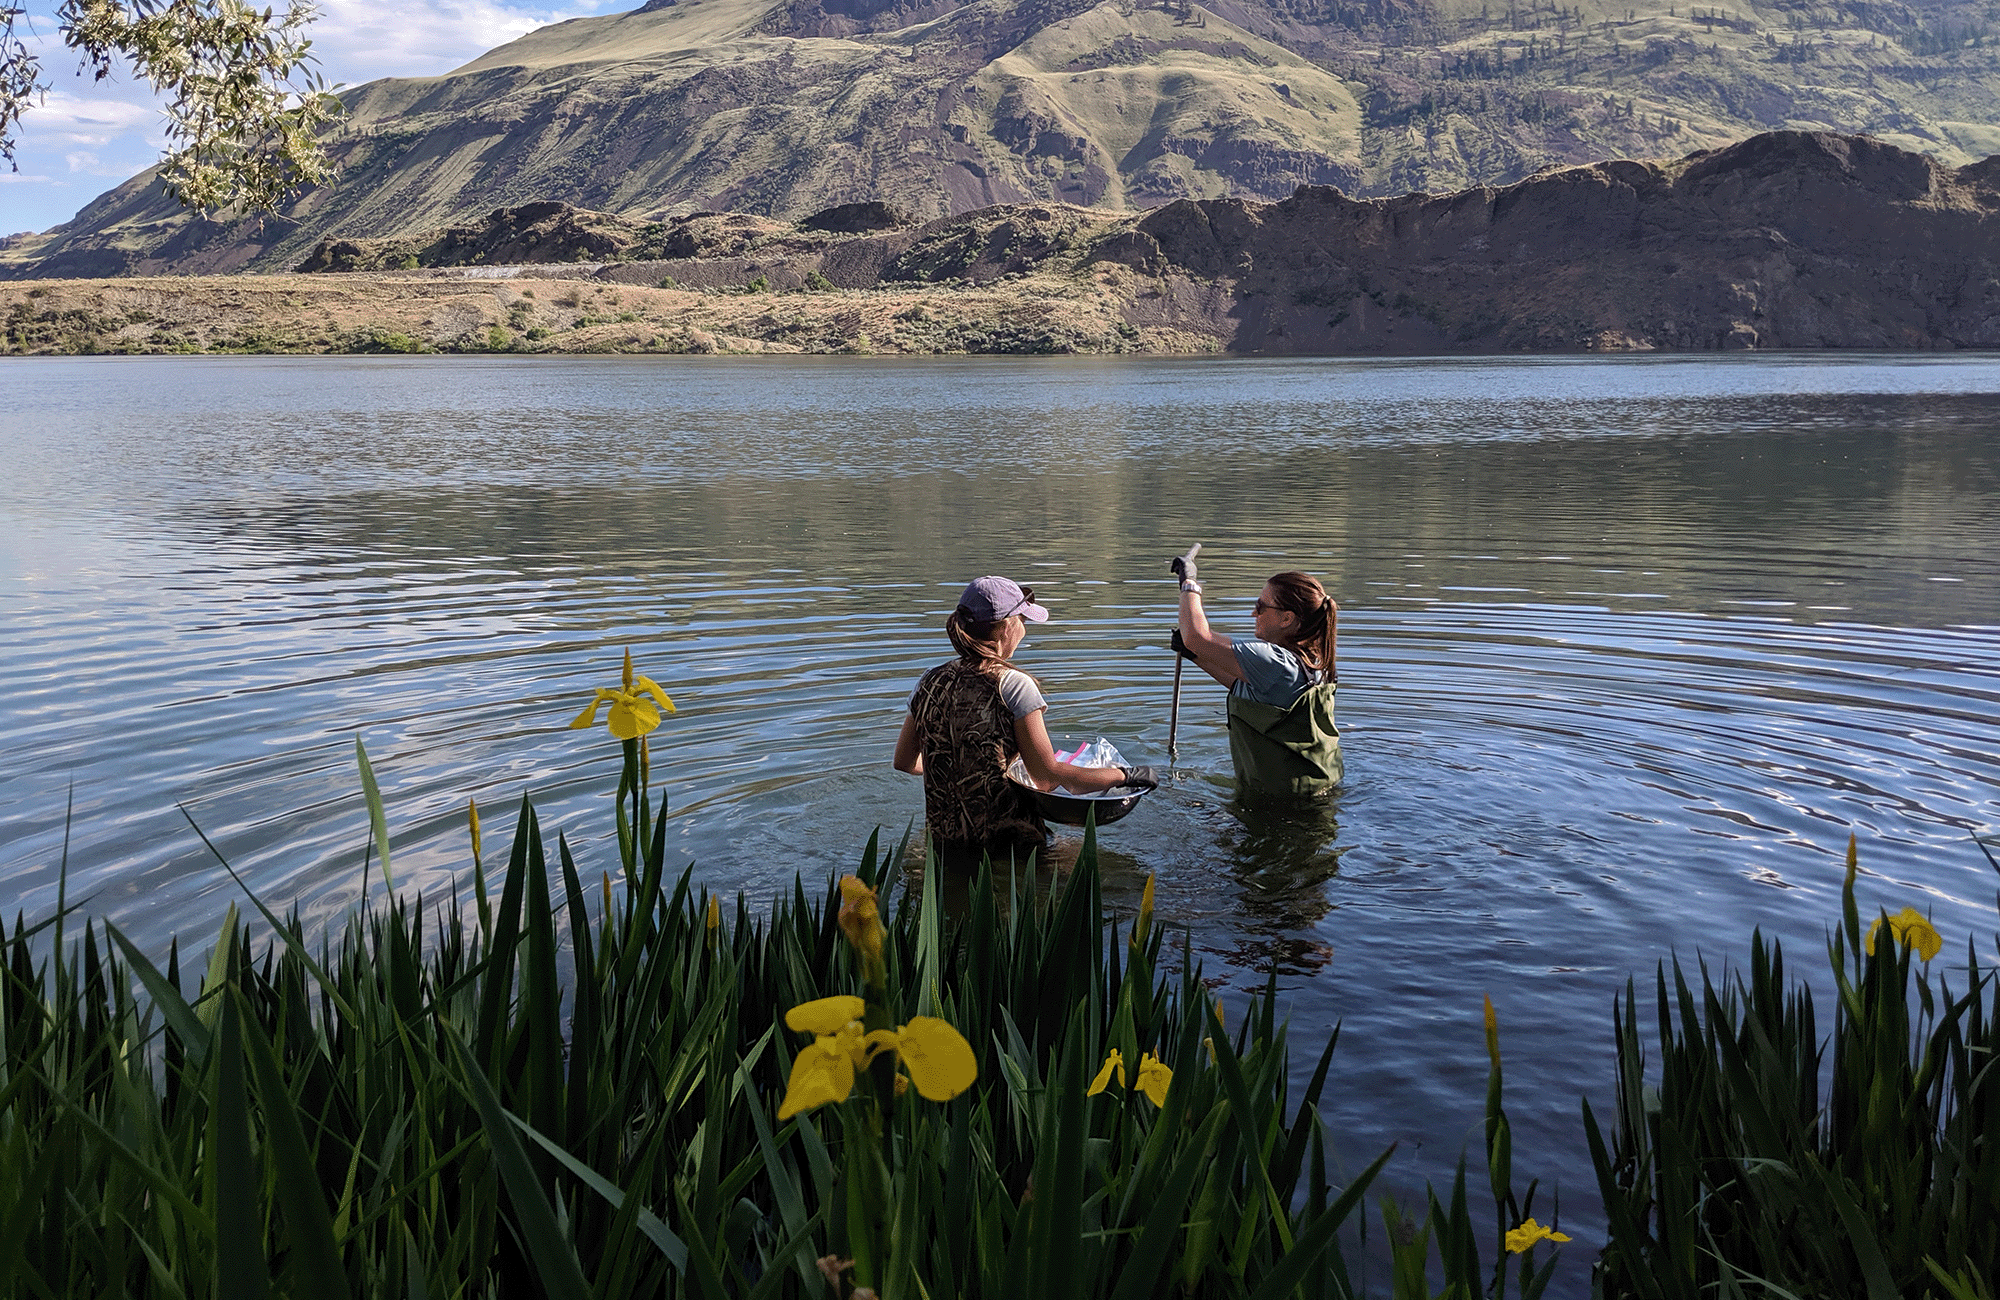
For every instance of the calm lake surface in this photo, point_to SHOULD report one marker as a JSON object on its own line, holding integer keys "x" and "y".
{"x": 1628, "y": 648}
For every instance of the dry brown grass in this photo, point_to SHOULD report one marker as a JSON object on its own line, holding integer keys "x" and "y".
{"x": 432, "y": 313}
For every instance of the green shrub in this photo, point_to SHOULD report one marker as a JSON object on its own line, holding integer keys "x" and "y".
{"x": 498, "y": 338}
{"x": 377, "y": 339}
{"x": 760, "y": 284}
{"x": 817, "y": 283}
{"x": 252, "y": 338}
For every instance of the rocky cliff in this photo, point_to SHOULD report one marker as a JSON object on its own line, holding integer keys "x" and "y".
{"x": 1788, "y": 240}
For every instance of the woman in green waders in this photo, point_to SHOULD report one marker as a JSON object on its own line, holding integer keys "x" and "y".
{"x": 1281, "y": 682}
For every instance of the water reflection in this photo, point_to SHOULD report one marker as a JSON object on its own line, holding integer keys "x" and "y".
{"x": 1281, "y": 854}
{"x": 1730, "y": 516}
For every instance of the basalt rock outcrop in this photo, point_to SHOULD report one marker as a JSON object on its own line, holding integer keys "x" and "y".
{"x": 539, "y": 234}
{"x": 1790, "y": 240}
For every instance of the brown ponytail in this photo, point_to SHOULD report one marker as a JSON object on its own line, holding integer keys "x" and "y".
{"x": 1318, "y": 618}
{"x": 977, "y": 643}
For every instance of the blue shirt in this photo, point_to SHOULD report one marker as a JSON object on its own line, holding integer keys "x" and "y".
{"x": 1272, "y": 674}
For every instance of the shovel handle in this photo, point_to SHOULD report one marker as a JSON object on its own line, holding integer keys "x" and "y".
{"x": 1179, "y": 567}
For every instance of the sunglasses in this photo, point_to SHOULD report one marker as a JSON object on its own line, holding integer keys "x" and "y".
{"x": 1263, "y": 605}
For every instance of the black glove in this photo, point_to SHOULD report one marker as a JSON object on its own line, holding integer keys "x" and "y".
{"x": 1145, "y": 778}
{"x": 1180, "y": 647}
{"x": 1183, "y": 565}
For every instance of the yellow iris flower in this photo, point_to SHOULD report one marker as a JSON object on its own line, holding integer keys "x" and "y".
{"x": 632, "y": 714}
{"x": 825, "y": 1016}
{"x": 714, "y": 912}
{"x": 937, "y": 1058}
{"x": 1154, "y": 1077}
{"x": 822, "y": 1072}
{"x": 1143, "y": 926}
{"x": 1908, "y": 926}
{"x": 1530, "y": 1232}
{"x": 860, "y": 919}
{"x": 1113, "y": 1064}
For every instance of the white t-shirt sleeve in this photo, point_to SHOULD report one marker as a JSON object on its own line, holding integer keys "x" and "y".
{"x": 1020, "y": 693}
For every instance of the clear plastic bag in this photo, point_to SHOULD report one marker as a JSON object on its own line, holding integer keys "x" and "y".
{"x": 1096, "y": 753}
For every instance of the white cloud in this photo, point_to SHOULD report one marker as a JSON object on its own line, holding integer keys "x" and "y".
{"x": 360, "y": 40}
{"x": 95, "y": 120}
{"x": 93, "y": 134}
{"x": 112, "y": 128}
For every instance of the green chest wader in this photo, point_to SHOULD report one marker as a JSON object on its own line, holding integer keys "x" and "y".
{"x": 1286, "y": 751}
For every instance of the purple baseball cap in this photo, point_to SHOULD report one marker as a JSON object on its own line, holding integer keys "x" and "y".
{"x": 988, "y": 600}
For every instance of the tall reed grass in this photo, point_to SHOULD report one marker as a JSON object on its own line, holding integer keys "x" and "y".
{"x": 1774, "y": 1158}
{"x": 568, "y": 1087}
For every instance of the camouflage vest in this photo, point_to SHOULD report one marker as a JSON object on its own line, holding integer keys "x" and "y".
{"x": 967, "y": 736}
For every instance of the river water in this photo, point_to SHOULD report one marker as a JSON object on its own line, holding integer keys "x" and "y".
{"x": 1628, "y": 648}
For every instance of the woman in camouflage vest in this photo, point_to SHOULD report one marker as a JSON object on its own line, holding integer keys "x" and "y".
{"x": 970, "y": 718}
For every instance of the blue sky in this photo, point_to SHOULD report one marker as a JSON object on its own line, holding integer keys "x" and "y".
{"x": 86, "y": 136}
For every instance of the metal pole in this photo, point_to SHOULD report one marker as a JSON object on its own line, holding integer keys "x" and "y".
{"x": 1174, "y": 719}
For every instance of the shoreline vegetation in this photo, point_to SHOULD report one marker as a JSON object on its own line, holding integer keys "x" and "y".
{"x": 622, "y": 1086}
{"x": 1789, "y": 240}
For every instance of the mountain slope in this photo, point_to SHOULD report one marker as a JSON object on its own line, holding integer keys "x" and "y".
{"x": 784, "y": 107}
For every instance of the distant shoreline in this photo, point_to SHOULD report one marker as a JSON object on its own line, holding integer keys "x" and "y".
{"x": 1789, "y": 241}
{"x": 536, "y": 314}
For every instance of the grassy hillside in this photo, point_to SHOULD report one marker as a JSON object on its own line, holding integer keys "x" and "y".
{"x": 1465, "y": 94}
{"x": 784, "y": 107}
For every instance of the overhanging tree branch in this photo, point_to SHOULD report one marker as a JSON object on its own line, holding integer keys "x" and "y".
{"x": 244, "y": 105}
